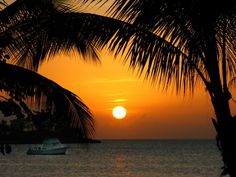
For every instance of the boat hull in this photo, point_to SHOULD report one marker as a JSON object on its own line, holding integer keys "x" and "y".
{"x": 56, "y": 151}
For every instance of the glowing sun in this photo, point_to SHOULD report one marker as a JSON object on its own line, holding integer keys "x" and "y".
{"x": 119, "y": 112}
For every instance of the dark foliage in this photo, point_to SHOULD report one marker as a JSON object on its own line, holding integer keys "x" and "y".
{"x": 25, "y": 86}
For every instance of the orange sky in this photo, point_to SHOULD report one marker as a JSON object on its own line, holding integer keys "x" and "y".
{"x": 151, "y": 113}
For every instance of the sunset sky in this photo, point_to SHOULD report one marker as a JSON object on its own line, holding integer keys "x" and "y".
{"x": 151, "y": 112}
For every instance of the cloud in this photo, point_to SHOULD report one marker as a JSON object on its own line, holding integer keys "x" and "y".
{"x": 121, "y": 100}
{"x": 108, "y": 80}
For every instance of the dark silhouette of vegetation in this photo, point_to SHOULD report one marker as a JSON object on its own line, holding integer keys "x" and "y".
{"x": 177, "y": 43}
{"x": 182, "y": 43}
{"x": 30, "y": 32}
{"x": 24, "y": 87}
{"x": 26, "y": 94}
{"x": 26, "y": 131}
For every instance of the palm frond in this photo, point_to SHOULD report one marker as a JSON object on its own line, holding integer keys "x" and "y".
{"x": 163, "y": 39}
{"x": 188, "y": 25}
{"x": 33, "y": 40}
{"x": 44, "y": 93}
{"x": 33, "y": 43}
{"x": 26, "y": 9}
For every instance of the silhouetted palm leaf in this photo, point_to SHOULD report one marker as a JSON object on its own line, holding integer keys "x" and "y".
{"x": 40, "y": 36}
{"x": 190, "y": 26}
{"x": 42, "y": 28}
{"x": 44, "y": 94}
{"x": 169, "y": 47}
{"x": 163, "y": 38}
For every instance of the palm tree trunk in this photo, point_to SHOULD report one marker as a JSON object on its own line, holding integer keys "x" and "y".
{"x": 225, "y": 123}
{"x": 225, "y": 126}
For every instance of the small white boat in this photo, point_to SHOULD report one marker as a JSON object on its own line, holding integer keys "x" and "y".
{"x": 51, "y": 146}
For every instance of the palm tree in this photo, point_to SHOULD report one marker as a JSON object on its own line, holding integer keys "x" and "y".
{"x": 29, "y": 89}
{"x": 31, "y": 93}
{"x": 183, "y": 43}
{"x": 179, "y": 44}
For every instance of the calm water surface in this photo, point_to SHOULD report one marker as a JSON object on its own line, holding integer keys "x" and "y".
{"x": 162, "y": 158}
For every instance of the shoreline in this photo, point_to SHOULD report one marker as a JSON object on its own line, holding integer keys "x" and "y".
{"x": 38, "y": 140}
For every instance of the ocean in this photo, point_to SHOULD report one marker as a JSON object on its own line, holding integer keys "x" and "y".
{"x": 113, "y": 158}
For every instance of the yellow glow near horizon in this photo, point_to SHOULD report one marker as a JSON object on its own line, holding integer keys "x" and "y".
{"x": 109, "y": 84}
{"x": 119, "y": 112}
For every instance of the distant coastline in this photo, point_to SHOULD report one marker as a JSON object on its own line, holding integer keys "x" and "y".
{"x": 161, "y": 139}
{"x": 32, "y": 138}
